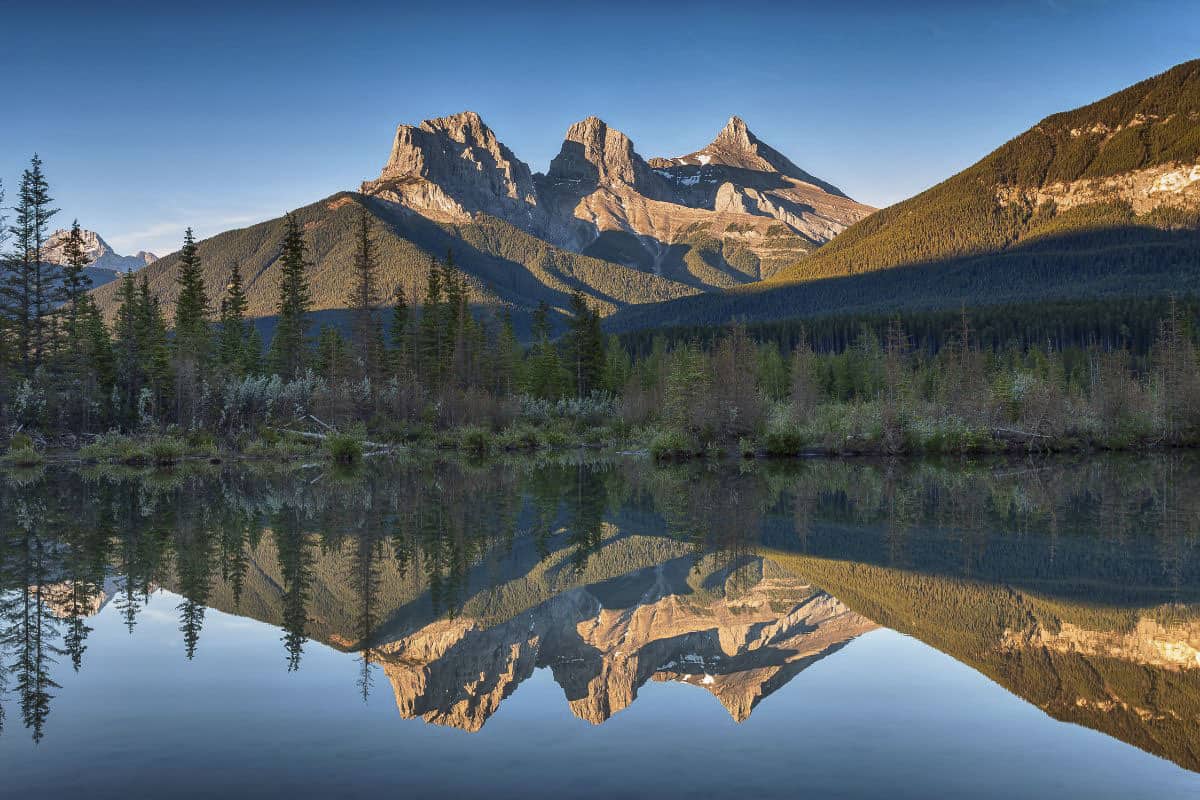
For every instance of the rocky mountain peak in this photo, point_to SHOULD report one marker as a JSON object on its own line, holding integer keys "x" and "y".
{"x": 594, "y": 154}
{"x": 736, "y": 133}
{"x": 100, "y": 253}
{"x": 452, "y": 167}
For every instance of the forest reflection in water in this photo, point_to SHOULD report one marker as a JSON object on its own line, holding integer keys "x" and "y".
{"x": 1073, "y": 584}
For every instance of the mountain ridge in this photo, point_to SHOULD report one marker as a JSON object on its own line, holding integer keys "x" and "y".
{"x": 1101, "y": 200}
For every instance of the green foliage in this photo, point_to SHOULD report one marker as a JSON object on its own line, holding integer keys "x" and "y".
{"x": 344, "y": 448}
{"x": 475, "y": 440}
{"x": 673, "y": 444}
{"x": 288, "y": 351}
{"x": 24, "y": 457}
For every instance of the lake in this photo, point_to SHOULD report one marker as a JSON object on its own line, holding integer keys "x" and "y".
{"x": 582, "y": 626}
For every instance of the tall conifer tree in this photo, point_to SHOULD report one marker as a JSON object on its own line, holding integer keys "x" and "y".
{"x": 289, "y": 348}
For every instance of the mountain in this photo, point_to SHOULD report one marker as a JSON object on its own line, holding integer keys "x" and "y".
{"x": 707, "y": 225}
{"x": 100, "y": 254}
{"x": 604, "y": 641}
{"x": 601, "y": 221}
{"x": 505, "y": 265}
{"x": 1133, "y": 674}
{"x": 1101, "y": 200}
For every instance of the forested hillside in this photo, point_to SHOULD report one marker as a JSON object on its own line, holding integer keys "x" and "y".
{"x": 504, "y": 266}
{"x": 1101, "y": 201}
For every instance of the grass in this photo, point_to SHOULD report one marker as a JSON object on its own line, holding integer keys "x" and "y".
{"x": 161, "y": 450}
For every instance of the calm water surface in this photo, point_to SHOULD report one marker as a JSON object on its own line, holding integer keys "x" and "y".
{"x": 604, "y": 629}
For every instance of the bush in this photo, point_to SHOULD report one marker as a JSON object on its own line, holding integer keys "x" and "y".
{"x": 20, "y": 441}
{"x": 344, "y": 448}
{"x": 475, "y": 440}
{"x": 115, "y": 447}
{"x": 24, "y": 457}
{"x": 166, "y": 450}
{"x": 673, "y": 444}
{"x": 784, "y": 440}
{"x": 519, "y": 436}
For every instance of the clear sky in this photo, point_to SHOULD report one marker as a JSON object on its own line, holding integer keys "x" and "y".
{"x": 154, "y": 116}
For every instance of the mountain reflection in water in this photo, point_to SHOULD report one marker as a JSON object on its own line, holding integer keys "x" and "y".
{"x": 1074, "y": 585}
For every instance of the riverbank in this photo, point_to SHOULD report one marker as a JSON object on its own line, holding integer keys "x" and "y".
{"x": 832, "y": 431}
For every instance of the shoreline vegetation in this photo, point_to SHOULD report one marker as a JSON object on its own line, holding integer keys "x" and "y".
{"x": 432, "y": 374}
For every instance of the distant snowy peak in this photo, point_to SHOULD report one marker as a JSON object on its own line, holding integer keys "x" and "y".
{"x": 99, "y": 252}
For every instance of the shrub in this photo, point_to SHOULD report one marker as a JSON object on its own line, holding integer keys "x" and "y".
{"x": 344, "y": 448}
{"x": 783, "y": 440}
{"x": 166, "y": 450}
{"x": 24, "y": 457}
{"x": 115, "y": 447}
{"x": 20, "y": 441}
{"x": 673, "y": 444}
{"x": 519, "y": 436}
{"x": 475, "y": 440}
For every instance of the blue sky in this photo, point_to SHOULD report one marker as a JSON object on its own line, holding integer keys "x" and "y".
{"x": 151, "y": 117}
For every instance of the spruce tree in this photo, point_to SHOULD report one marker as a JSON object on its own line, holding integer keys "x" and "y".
{"x": 153, "y": 347}
{"x": 76, "y": 281}
{"x": 363, "y": 301}
{"x": 193, "y": 340}
{"x": 232, "y": 341}
{"x": 585, "y": 343}
{"x": 432, "y": 332}
{"x": 400, "y": 332}
{"x": 32, "y": 289}
{"x": 73, "y": 368}
{"x": 191, "y": 309}
{"x": 289, "y": 347}
{"x": 507, "y": 368}
{"x": 127, "y": 348}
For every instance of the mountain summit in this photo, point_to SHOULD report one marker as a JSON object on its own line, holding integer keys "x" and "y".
{"x": 707, "y": 220}
{"x": 1100, "y": 200}
{"x": 100, "y": 254}
{"x": 736, "y": 146}
{"x": 601, "y": 221}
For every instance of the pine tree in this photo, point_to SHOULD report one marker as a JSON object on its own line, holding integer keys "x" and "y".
{"x": 507, "y": 370}
{"x": 545, "y": 375}
{"x": 96, "y": 359}
{"x": 5, "y": 328}
{"x": 154, "y": 350}
{"x": 289, "y": 349}
{"x": 585, "y": 345}
{"x": 127, "y": 348}
{"x": 400, "y": 334}
{"x": 432, "y": 332}
{"x": 191, "y": 309}
{"x": 364, "y": 299}
{"x": 333, "y": 357}
{"x": 72, "y": 368}
{"x": 76, "y": 282}
{"x": 233, "y": 338}
{"x": 32, "y": 288}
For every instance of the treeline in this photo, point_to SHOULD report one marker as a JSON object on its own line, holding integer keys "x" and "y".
{"x": 410, "y": 368}
{"x": 65, "y": 375}
{"x": 884, "y": 395}
{"x": 1130, "y": 323}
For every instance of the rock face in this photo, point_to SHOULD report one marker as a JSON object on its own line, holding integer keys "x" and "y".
{"x": 453, "y": 167}
{"x": 731, "y": 213}
{"x": 100, "y": 254}
{"x": 595, "y": 155}
{"x": 755, "y": 635}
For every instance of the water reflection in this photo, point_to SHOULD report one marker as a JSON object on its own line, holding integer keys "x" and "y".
{"x": 1073, "y": 585}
